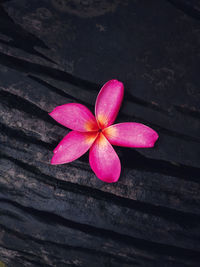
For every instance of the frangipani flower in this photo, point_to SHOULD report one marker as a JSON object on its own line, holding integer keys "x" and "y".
{"x": 97, "y": 134}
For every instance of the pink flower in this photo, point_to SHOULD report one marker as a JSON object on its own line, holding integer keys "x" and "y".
{"x": 97, "y": 134}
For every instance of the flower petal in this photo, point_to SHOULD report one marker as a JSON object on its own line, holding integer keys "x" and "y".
{"x": 131, "y": 134}
{"x": 104, "y": 161}
{"x": 72, "y": 146}
{"x": 75, "y": 116}
{"x": 108, "y": 103}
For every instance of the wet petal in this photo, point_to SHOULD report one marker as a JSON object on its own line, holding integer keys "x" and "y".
{"x": 75, "y": 116}
{"x": 72, "y": 146}
{"x": 104, "y": 161}
{"x": 131, "y": 134}
{"x": 108, "y": 102}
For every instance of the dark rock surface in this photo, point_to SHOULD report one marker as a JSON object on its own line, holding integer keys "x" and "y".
{"x": 56, "y": 52}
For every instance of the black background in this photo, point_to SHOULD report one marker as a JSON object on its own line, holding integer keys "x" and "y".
{"x": 54, "y": 52}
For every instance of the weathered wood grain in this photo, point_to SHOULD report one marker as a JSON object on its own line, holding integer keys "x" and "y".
{"x": 56, "y": 52}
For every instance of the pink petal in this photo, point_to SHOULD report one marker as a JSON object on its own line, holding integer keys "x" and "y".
{"x": 108, "y": 103}
{"x": 73, "y": 146}
{"x": 131, "y": 134}
{"x": 75, "y": 116}
{"x": 104, "y": 161}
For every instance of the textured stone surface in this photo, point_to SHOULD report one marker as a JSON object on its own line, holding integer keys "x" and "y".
{"x": 56, "y": 52}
